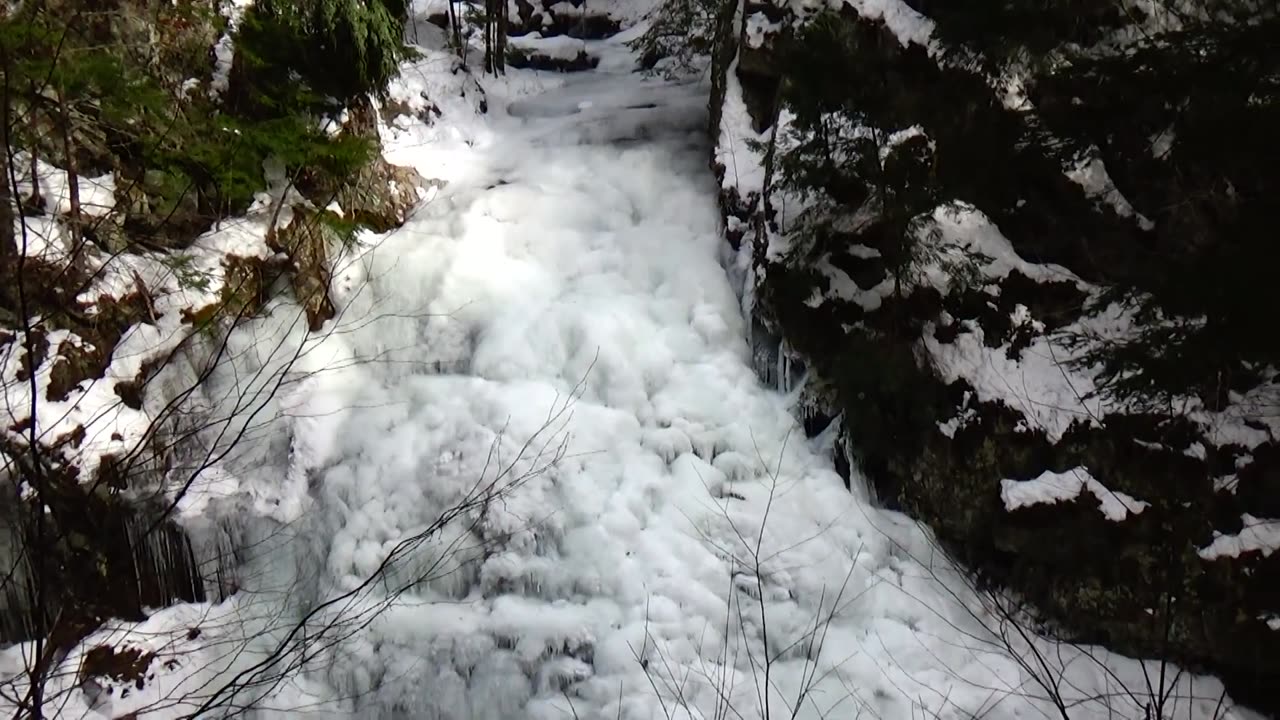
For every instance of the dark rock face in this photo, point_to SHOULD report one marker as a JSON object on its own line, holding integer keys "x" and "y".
{"x": 955, "y": 399}
{"x": 541, "y": 61}
{"x": 100, "y": 557}
{"x": 572, "y": 18}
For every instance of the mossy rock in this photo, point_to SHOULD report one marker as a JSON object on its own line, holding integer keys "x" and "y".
{"x": 381, "y": 195}
{"x": 156, "y": 208}
{"x": 247, "y": 287}
{"x": 309, "y": 240}
{"x": 74, "y": 364}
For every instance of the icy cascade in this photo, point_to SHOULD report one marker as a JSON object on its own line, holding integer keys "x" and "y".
{"x": 556, "y": 326}
{"x": 163, "y": 568}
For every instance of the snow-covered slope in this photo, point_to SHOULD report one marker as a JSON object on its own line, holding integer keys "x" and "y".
{"x": 549, "y": 365}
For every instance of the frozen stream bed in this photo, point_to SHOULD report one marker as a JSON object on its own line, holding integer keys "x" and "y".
{"x": 538, "y": 400}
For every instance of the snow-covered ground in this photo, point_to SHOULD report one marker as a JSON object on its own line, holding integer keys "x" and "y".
{"x": 552, "y": 347}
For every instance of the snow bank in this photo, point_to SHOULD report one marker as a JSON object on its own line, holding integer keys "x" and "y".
{"x": 163, "y": 668}
{"x": 908, "y": 25}
{"x": 1043, "y": 383}
{"x": 970, "y": 230}
{"x": 627, "y": 12}
{"x": 759, "y": 29}
{"x": 1036, "y": 383}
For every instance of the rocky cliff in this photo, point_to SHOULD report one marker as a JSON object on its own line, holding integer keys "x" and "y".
{"x": 965, "y": 374}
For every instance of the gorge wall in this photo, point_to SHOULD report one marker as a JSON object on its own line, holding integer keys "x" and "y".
{"x": 966, "y": 369}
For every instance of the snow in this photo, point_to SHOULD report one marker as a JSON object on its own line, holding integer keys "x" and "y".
{"x": 841, "y": 286}
{"x": 1162, "y": 143}
{"x": 44, "y": 238}
{"x": 1040, "y": 380}
{"x": 965, "y": 235}
{"x": 1249, "y": 420}
{"x": 556, "y": 325}
{"x": 224, "y": 50}
{"x": 759, "y": 29}
{"x": 1011, "y": 88}
{"x": 559, "y": 47}
{"x": 969, "y": 229}
{"x": 173, "y": 682}
{"x": 1258, "y": 535}
{"x": 627, "y": 12}
{"x": 744, "y": 165}
{"x": 1091, "y": 174}
{"x": 97, "y": 195}
{"x": 966, "y": 414}
{"x": 566, "y": 9}
{"x": 1053, "y": 487}
{"x": 1229, "y": 483}
{"x": 899, "y": 137}
{"x": 1037, "y": 383}
{"x": 908, "y": 26}
{"x": 183, "y": 282}
{"x": 1021, "y": 316}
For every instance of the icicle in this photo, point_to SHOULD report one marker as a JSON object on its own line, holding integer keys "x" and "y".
{"x": 782, "y": 370}
{"x": 162, "y": 561}
{"x": 213, "y": 553}
{"x": 764, "y": 355}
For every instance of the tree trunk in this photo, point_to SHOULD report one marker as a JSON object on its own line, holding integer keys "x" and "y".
{"x": 7, "y": 246}
{"x": 488, "y": 35}
{"x": 35, "y": 201}
{"x": 73, "y": 175}
{"x": 455, "y": 28}
{"x": 500, "y": 35}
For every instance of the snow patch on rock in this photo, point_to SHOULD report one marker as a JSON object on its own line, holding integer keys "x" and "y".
{"x": 1053, "y": 487}
{"x": 1258, "y": 535}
